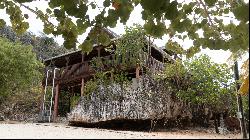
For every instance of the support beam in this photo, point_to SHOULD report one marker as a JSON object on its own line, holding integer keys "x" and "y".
{"x": 72, "y": 69}
{"x": 69, "y": 99}
{"x": 82, "y": 87}
{"x": 99, "y": 51}
{"x": 137, "y": 72}
{"x": 67, "y": 60}
{"x": 56, "y": 103}
{"x": 83, "y": 57}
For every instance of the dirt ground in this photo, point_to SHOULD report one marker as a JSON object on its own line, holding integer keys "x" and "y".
{"x": 17, "y": 130}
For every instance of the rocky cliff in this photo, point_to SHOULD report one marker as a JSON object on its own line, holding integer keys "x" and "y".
{"x": 143, "y": 99}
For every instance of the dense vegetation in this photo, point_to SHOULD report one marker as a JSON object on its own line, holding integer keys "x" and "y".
{"x": 44, "y": 47}
{"x": 183, "y": 20}
{"x": 201, "y": 81}
{"x": 19, "y": 70}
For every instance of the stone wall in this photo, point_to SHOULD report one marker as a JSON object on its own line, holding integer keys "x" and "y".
{"x": 140, "y": 100}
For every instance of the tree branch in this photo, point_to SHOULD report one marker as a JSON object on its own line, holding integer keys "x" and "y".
{"x": 206, "y": 11}
{"x": 33, "y": 11}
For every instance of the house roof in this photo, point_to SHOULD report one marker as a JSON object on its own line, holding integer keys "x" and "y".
{"x": 111, "y": 34}
{"x": 77, "y": 54}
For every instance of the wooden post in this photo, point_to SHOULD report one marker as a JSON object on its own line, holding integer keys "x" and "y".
{"x": 67, "y": 61}
{"x": 83, "y": 57}
{"x": 137, "y": 72}
{"x": 82, "y": 87}
{"x": 154, "y": 67}
{"x": 56, "y": 103}
{"x": 69, "y": 98}
{"x": 99, "y": 51}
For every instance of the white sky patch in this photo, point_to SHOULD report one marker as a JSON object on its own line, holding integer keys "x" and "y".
{"x": 200, "y": 33}
{"x": 36, "y": 27}
{"x": 217, "y": 55}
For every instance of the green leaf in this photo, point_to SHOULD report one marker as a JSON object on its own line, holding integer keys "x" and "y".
{"x": 48, "y": 29}
{"x": 106, "y": 3}
{"x": 86, "y": 46}
{"x": 25, "y": 25}
{"x": 203, "y": 22}
{"x": 2, "y": 23}
{"x": 171, "y": 11}
{"x": 112, "y": 18}
{"x": 156, "y": 30}
{"x": 58, "y": 13}
{"x": 187, "y": 8}
{"x": 104, "y": 39}
{"x": 152, "y": 5}
{"x": 148, "y": 26}
{"x": 178, "y": 26}
{"x": 226, "y": 11}
{"x": 82, "y": 11}
{"x": 93, "y": 5}
{"x": 26, "y": 16}
{"x": 2, "y": 6}
{"x": 144, "y": 15}
{"x": 197, "y": 11}
{"x": 68, "y": 44}
{"x": 242, "y": 12}
{"x": 210, "y": 2}
{"x": 54, "y": 3}
{"x": 82, "y": 26}
{"x": 124, "y": 12}
{"x": 48, "y": 11}
{"x": 192, "y": 51}
{"x": 173, "y": 46}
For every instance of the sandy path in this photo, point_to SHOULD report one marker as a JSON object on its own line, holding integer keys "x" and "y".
{"x": 61, "y": 131}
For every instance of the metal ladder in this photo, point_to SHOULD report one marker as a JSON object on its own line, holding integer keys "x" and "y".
{"x": 47, "y": 113}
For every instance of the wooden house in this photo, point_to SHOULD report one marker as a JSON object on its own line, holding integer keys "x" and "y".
{"x": 70, "y": 71}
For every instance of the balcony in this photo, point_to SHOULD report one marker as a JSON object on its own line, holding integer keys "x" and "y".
{"x": 85, "y": 69}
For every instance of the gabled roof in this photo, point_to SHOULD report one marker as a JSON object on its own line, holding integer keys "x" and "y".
{"x": 112, "y": 36}
{"x": 77, "y": 53}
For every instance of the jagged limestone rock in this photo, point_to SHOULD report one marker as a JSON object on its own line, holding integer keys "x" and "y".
{"x": 146, "y": 99}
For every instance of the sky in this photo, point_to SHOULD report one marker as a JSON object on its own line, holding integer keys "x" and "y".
{"x": 36, "y": 26}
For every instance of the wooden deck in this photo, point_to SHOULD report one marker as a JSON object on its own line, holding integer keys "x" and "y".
{"x": 75, "y": 72}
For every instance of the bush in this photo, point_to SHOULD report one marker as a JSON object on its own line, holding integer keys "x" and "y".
{"x": 19, "y": 70}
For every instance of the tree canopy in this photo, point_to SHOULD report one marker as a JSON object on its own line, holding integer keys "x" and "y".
{"x": 199, "y": 80}
{"x": 44, "y": 47}
{"x": 19, "y": 68}
{"x": 184, "y": 18}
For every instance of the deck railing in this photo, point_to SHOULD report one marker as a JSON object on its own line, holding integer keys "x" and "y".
{"x": 85, "y": 68}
